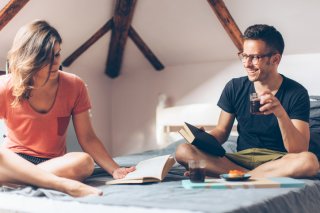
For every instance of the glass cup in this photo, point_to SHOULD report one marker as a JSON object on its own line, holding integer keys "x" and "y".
{"x": 197, "y": 170}
{"x": 255, "y": 104}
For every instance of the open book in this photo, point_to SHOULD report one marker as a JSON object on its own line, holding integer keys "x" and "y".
{"x": 202, "y": 140}
{"x": 150, "y": 170}
{"x": 277, "y": 182}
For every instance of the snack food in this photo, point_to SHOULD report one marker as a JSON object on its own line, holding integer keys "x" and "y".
{"x": 236, "y": 173}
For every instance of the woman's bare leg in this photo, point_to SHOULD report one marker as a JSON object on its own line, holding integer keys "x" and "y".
{"x": 73, "y": 165}
{"x": 14, "y": 169}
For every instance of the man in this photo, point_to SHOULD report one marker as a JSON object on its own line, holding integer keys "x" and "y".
{"x": 271, "y": 144}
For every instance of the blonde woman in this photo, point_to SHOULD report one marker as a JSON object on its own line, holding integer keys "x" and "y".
{"x": 37, "y": 101}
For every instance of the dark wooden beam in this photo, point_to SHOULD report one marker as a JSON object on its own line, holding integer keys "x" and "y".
{"x": 143, "y": 47}
{"x": 227, "y": 22}
{"x": 95, "y": 37}
{"x": 10, "y": 10}
{"x": 122, "y": 20}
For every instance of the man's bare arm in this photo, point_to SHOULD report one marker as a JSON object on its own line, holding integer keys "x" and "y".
{"x": 295, "y": 133}
{"x": 222, "y": 131}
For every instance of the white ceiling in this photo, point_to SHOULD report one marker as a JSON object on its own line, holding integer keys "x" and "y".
{"x": 177, "y": 31}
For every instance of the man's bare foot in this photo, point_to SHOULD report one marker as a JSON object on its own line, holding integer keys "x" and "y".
{"x": 78, "y": 189}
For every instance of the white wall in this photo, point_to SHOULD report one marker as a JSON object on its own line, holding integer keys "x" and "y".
{"x": 135, "y": 94}
{"x": 99, "y": 87}
{"x": 305, "y": 69}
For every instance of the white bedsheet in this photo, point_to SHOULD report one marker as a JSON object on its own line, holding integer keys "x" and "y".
{"x": 10, "y": 203}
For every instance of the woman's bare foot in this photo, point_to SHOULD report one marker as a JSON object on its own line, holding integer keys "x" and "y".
{"x": 78, "y": 189}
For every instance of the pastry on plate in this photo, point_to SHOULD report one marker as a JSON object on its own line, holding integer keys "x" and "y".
{"x": 236, "y": 173}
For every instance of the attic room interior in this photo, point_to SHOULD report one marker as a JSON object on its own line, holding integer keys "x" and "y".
{"x": 149, "y": 66}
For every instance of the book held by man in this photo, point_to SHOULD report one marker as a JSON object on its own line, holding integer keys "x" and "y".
{"x": 150, "y": 170}
{"x": 277, "y": 182}
{"x": 202, "y": 140}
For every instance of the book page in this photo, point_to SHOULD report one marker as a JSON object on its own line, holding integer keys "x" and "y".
{"x": 188, "y": 132}
{"x": 186, "y": 136}
{"x": 149, "y": 168}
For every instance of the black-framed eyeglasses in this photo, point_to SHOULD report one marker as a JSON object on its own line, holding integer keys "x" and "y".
{"x": 254, "y": 58}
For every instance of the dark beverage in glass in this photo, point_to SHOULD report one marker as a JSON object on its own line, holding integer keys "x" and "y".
{"x": 197, "y": 170}
{"x": 254, "y": 107}
{"x": 255, "y": 104}
{"x": 197, "y": 175}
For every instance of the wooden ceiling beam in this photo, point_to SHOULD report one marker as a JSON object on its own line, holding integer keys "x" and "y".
{"x": 146, "y": 51}
{"x": 95, "y": 37}
{"x": 10, "y": 10}
{"x": 122, "y": 20}
{"x": 227, "y": 22}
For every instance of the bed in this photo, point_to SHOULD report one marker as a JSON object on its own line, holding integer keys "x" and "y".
{"x": 169, "y": 195}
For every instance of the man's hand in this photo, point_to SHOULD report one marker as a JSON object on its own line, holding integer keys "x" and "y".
{"x": 122, "y": 172}
{"x": 271, "y": 104}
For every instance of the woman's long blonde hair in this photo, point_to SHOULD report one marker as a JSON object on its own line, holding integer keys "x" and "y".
{"x": 32, "y": 49}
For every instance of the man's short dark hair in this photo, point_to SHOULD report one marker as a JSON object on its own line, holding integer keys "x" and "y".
{"x": 266, "y": 33}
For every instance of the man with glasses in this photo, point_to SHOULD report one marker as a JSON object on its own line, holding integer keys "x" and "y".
{"x": 273, "y": 142}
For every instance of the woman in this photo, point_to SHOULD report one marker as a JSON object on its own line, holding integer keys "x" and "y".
{"x": 36, "y": 102}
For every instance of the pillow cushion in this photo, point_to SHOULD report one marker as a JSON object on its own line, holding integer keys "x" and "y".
{"x": 314, "y": 112}
{"x": 314, "y": 145}
{"x": 314, "y": 123}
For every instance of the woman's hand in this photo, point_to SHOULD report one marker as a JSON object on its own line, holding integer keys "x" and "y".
{"x": 122, "y": 172}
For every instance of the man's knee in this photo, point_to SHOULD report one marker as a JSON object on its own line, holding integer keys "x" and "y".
{"x": 184, "y": 152}
{"x": 307, "y": 164}
{"x": 310, "y": 162}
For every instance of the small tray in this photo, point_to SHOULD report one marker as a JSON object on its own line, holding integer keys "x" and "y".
{"x": 228, "y": 178}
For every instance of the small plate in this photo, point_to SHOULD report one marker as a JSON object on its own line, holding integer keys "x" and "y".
{"x": 228, "y": 178}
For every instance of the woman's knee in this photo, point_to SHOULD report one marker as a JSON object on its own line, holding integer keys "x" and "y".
{"x": 1, "y": 155}
{"x": 85, "y": 164}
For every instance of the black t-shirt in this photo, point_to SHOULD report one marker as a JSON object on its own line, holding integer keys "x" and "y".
{"x": 262, "y": 131}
